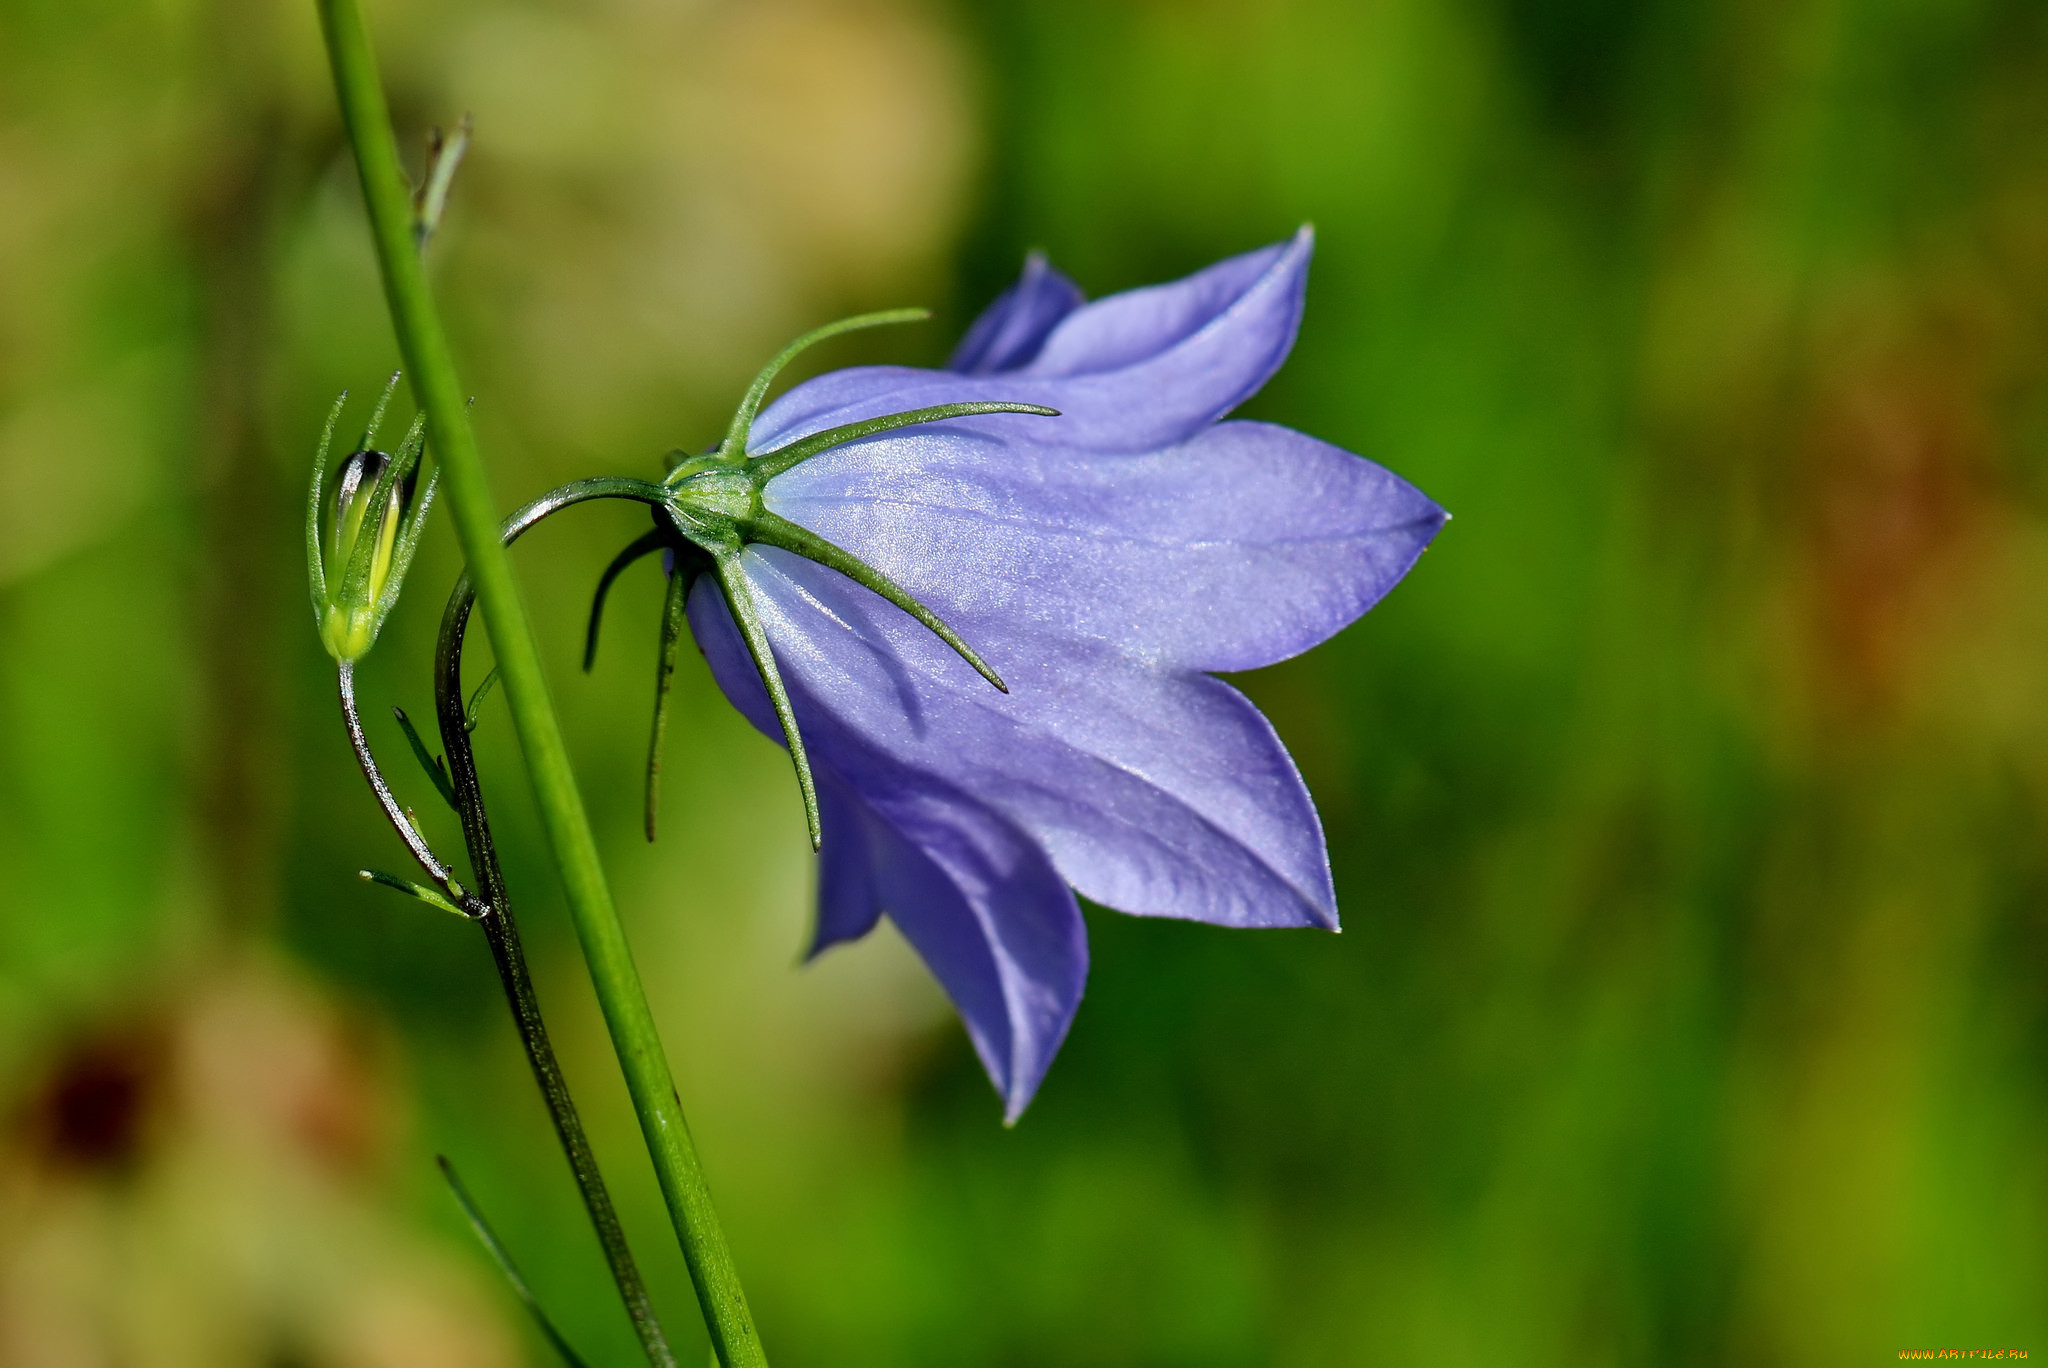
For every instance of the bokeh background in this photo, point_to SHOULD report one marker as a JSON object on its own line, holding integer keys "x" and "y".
{"x": 1689, "y": 803}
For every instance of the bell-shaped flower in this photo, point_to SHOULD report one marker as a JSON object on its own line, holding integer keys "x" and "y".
{"x": 983, "y": 606}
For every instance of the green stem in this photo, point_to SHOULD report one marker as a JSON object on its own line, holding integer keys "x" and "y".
{"x": 431, "y": 369}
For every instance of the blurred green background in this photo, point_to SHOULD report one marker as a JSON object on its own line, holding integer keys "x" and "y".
{"x": 1687, "y": 803}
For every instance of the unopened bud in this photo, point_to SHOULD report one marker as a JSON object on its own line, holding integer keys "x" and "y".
{"x": 363, "y": 551}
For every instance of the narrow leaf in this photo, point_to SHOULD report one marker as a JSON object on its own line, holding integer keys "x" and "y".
{"x": 476, "y": 700}
{"x": 489, "y": 1239}
{"x": 430, "y": 762}
{"x": 430, "y": 896}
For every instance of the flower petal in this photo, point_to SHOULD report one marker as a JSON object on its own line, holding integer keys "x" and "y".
{"x": 995, "y": 923}
{"x": 848, "y": 905}
{"x": 976, "y": 897}
{"x": 1010, "y": 331}
{"x": 1131, "y": 328}
{"x": 1246, "y": 545}
{"x": 1134, "y": 372}
{"x": 1156, "y": 791}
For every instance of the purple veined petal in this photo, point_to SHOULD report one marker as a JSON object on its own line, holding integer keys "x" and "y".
{"x": 1213, "y": 349}
{"x": 1010, "y": 331}
{"x": 1248, "y": 544}
{"x": 1154, "y": 791}
{"x": 975, "y": 896}
{"x": 1130, "y": 328}
{"x": 848, "y": 904}
{"x": 997, "y": 926}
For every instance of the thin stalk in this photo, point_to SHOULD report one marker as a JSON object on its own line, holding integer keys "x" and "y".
{"x": 503, "y": 1258}
{"x": 401, "y": 820}
{"x": 501, "y": 929}
{"x": 492, "y": 910}
{"x": 501, "y": 932}
{"x": 674, "y": 614}
{"x": 430, "y": 367}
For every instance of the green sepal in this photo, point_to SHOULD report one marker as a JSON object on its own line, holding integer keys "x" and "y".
{"x": 364, "y": 528}
{"x": 414, "y": 520}
{"x": 489, "y": 1240}
{"x": 316, "y": 563}
{"x": 430, "y": 762}
{"x": 717, "y": 503}
{"x": 739, "y": 598}
{"x": 674, "y": 612}
{"x": 369, "y": 440}
{"x": 769, "y": 464}
{"x": 772, "y": 529}
{"x": 361, "y": 583}
{"x": 645, "y": 544}
{"x": 734, "y": 448}
{"x": 430, "y": 896}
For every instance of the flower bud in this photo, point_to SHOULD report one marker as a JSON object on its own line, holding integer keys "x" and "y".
{"x": 359, "y": 543}
{"x": 364, "y": 558}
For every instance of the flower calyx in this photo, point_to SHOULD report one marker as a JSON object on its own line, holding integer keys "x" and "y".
{"x": 360, "y": 543}
{"x": 714, "y": 505}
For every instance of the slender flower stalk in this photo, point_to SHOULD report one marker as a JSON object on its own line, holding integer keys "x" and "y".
{"x": 501, "y": 931}
{"x": 491, "y": 909}
{"x": 431, "y": 369}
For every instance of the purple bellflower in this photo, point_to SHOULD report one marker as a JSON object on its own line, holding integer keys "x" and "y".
{"x": 981, "y": 606}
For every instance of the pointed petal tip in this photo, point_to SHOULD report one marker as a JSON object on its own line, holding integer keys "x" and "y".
{"x": 1322, "y": 916}
{"x": 1295, "y": 253}
{"x": 1018, "y": 1096}
{"x": 1301, "y": 250}
{"x": 1290, "y": 270}
{"x": 1015, "y": 1101}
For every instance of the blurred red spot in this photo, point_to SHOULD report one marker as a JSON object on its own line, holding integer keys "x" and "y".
{"x": 93, "y": 1111}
